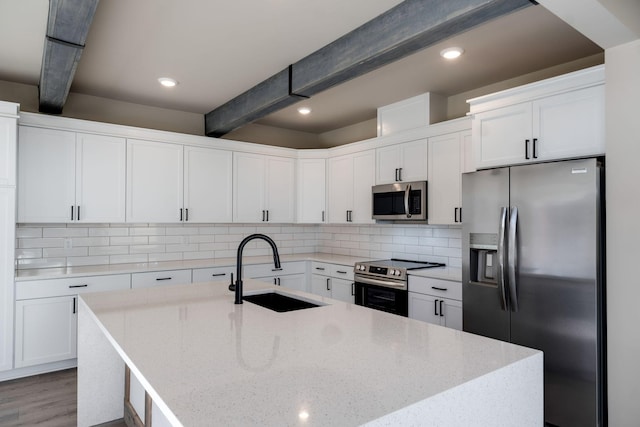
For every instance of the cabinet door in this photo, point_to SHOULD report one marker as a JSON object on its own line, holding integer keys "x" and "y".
{"x": 500, "y": 135}
{"x": 207, "y": 184}
{"x": 451, "y": 314}
{"x": 160, "y": 278}
{"x": 213, "y": 274}
{"x": 363, "y": 180}
{"x": 100, "y": 178}
{"x": 45, "y": 330}
{"x": 7, "y": 256}
{"x": 46, "y": 175}
{"x": 280, "y": 189}
{"x": 424, "y": 307}
{"x": 388, "y": 161}
{"x": 444, "y": 191}
{"x": 293, "y": 281}
{"x": 321, "y": 285}
{"x": 312, "y": 191}
{"x": 7, "y": 151}
{"x": 154, "y": 181}
{"x": 340, "y": 188}
{"x": 343, "y": 290}
{"x": 468, "y": 161}
{"x": 248, "y": 187}
{"x": 570, "y": 124}
{"x": 414, "y": 161}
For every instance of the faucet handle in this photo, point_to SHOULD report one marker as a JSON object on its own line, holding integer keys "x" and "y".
{"x": 232, "y": 286}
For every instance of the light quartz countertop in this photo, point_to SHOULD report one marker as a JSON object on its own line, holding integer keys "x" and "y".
{"x": 206, "y": 361}
{"x": 101, "y": 270}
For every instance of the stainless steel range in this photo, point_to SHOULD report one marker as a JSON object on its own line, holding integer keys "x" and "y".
{"x": 382, "y": 284}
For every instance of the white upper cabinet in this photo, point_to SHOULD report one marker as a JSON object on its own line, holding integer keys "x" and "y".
{"x": 402, "y": 162}
{"x": 7, "y": 151}
{"x": 444, "y": 184}
{"x": 207, "y": 185}
{"x": 312, "y": 191}
{"x": 350, "y": 180}
{"x": 558, "y": 118}
{"x": 263, "y": 188}
{"x": 154, "y": 182}
{"x": 69, "y": 177}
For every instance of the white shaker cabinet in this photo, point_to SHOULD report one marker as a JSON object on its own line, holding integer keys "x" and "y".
{"x": 435, "y": 301}
{"x": 70, "y": 177}
{"x": 446, "y": 164}
{"x": 154, "y": 182}
{"x": 333, "y": 281}
{"x": 555, "y": 119}
{"x": 312, "y": 191}
{"x": 207, "y": 185}
{"x": 8, "y": 147}
{"x": 350, "y": 180}
{"x": 402, "y": 162}
{"x": 263, "y": 188}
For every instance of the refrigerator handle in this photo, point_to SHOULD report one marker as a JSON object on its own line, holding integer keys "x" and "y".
{"x": 501, "y": 255}
{"x": 512, "y": 260}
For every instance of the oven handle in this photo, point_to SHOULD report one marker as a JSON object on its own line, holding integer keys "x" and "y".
{"x": 378, "y": 282}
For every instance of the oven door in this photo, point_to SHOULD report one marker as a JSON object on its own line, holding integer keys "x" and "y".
{"x": 391, "y": 300}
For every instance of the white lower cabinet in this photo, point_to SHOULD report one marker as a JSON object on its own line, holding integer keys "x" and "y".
{"x": 291, "y": 275}
{"x": 213, "y": 274}
{"x": 46, "y": 316}
{"x": 160, "y": 278}
{"x": 332, "y": 281}
{"x": 436, "y": 301}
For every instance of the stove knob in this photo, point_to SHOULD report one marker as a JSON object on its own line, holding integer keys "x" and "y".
{"x": 393, "y": 272}
{"x": 398, "y": 273}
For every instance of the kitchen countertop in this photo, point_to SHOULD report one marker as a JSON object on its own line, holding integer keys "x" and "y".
{"x": 340, "y": 364}
{"x": 445, "y": 273}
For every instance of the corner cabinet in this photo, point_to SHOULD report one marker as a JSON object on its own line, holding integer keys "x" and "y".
{"x": 350, "y": 180}
{"x": 558, "y": 118}
{"x": 447, "y": 162}
{"x": 402, "y": 162}
{"x": 70, "y": 177}
{"x": 263, "y": 188}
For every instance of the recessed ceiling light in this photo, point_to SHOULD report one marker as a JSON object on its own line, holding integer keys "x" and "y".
{"x": 452, "y": 52}
{"x": 167, "y": 81}
{"x": 304, "y": 110}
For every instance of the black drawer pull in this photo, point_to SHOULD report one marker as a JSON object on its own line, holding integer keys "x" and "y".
{"x": 341, "y": 272}
{"x": 439, "y": 289}
{"x": 163, "y": 278}
{"x": 320, "y": 268}
{"x": 77, "y": 286}
{"x": 276, "y": 269}
{"x": 441, "y": 312}
{"x": 218, "y": 274}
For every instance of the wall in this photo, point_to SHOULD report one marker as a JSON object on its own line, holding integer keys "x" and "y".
{"x": 623, "y": 232}
{"x": 43, "y": 245}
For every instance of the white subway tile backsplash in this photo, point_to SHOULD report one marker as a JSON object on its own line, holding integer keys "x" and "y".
{"x": 109, "y": 250}
{"x": 28, "y": 253}
{"x": 181, "y": 231}
{"x": 87, "y": 260}
{"x": 433, "y": 241}
{"x": 199, "y": 255}
{"x": 455, "y": 233}
{"x": 26, "y": 232}
{"x": 130, "y": 240}
{"x": 193, "y": 247}
{"x": 406, "y": 240}
{"x": 65, "y": 232}
{"x": 168, "y": 256}
{"x": 41, "y": 243}
{"x": 126, "y": 259}
{"x": 147, "y": 249}
{"x": 90, "y": 241}
{"x": 147, "y": 231}
{"x": 41, "y": 263}
{"x": 108, "y": 231}
{"x": 164, "y": 240}
{"x": 62, "y": 252}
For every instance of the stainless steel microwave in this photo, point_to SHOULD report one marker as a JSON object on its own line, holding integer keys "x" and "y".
{"x": 402, "y": 201}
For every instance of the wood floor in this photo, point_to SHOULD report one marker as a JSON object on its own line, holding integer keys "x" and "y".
{"x": 47, "y": 400}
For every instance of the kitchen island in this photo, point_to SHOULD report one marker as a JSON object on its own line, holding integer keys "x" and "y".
{"x": 206, "y": 361}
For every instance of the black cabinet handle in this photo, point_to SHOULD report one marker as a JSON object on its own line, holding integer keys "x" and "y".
{"x": 439, "y": 289}
{"x": 180, "y": 214}
{"x": 535, "y": 148}
{"x": 78, "y": 213}
{"x": 163, "y": 278}
{"x": 218, "y": 274}
{"x": 400, "y": 174}
{"x": 77, "y": 286}
{"x": 441, "y": 312}
{"x": 275, "y": 282}
{"x": 71, "y": 212}
{"x": 396, "y": 176}
{"x": 435, "y": 307}
{"x": 341, "y": 272}
{"x": 455, "y": 214}
{"x": 526, "y": 149}
{"x": 278, "y": 281}
{"x": 320, "y": 268}
{"x": 353, "y": 289}
{"x": 186, "y": 214}
{"x": 74, "y": 305}
{"x": 267, "y": 215}
{"x": 322, "y": 216}
{"x": 460, "y": 214}
{"x": 328, "y": 286}
{"x": 276, "y": 269}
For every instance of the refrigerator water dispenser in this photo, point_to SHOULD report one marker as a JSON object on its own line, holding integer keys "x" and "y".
{"x": 484, "y": 258}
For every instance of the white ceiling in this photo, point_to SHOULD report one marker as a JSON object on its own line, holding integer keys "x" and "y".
{"x": 218, "y": 49}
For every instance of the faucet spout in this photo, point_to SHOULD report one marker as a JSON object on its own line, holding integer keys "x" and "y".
{"x": 276, "y": 262}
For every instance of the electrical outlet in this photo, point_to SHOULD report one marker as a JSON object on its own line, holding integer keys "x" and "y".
{"x": 68, "y": 243}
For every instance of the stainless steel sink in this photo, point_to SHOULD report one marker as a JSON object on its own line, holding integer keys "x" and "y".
{"x": 278, "y": 302}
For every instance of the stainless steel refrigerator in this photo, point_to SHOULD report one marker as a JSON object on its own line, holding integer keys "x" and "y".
{"x": 533, "y": 269}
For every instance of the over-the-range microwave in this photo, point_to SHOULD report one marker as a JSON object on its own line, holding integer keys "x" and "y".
{"x": 402, "y": 201}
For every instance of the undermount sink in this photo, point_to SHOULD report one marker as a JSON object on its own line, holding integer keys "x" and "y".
{"x": 278, "y": 302}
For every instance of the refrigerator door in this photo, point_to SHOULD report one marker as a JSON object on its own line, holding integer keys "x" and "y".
{"x": 485, "y": 198}
{"x": 557, "y": 283}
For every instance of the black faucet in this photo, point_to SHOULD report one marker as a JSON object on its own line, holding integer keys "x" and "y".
{"x": 276, "y": 262}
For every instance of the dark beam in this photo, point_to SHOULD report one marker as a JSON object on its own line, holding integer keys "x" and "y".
{"x": 67, "y": 29}
{"x": 405, "y": 29}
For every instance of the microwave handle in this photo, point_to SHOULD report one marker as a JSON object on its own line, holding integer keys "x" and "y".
{"x": 407, "y": 192}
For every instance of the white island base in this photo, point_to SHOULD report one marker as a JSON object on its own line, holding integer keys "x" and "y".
{"x": 205, "y": 361}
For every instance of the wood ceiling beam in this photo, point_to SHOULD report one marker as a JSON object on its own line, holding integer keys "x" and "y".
{"x": 405, "y": 29}
{"x": 67, "y": 29}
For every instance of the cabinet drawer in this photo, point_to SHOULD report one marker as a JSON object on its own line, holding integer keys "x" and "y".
{"x": 160, "y": 278}
{"x": 342, "y": 271}
{"x": 213, "y": 274}
{"x": 436, "y": 287}
{"x": 267, "y": 270}
{"x": 321, "y": 268}
{"x": 71, "y": 286}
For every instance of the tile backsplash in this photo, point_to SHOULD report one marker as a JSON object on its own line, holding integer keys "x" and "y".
{"x": 65, "y": 245}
